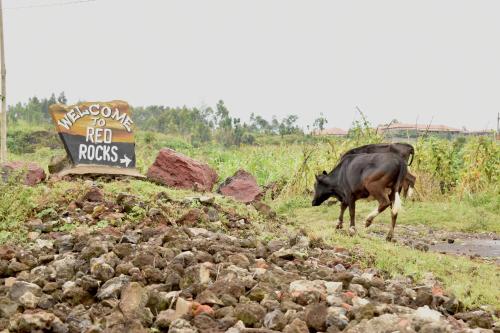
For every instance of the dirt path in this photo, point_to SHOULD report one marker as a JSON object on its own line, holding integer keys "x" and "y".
{"x": 473, "y": 247}
{"x": 484, "y": 245}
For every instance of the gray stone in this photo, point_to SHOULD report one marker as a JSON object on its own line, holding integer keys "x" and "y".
{"x": 165, "y": 318}
{"x": 134, "y": 299}
{"x": 65, "y": 267}
{"x": 297, "y": 326}
{"x": 316, "y": 316}
{"x": 275, "y": 320}
{"x": 7, "y": 307}
{"x": 250, "y": 314}
{"x": 182, "y": 326}
{"x": 112, "y": 287}
{"x": 20, "y": 288}
{"x": 38, "y": 321}
{"x": 101, "y": 270}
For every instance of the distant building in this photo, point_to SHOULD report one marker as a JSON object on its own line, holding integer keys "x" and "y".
{"x": 411, "y": 130}
{"x": 480, "y": 133}
{"x": 331, "y": 132}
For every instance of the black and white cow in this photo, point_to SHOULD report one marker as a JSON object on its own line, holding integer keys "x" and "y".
{"x": 360, "y": 176}
{"x": 404, "y": 150}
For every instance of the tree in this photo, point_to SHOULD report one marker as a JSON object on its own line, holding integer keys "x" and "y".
{"x": 201, "y": 135}
{"x": 222, "y": 119}
{"x": 319, "y": 123}
{"x": 288, "y": 125}
{"x": 275, "y": 125}
{"x": 34, "y": 110}
{"x": 62, "y": 98}
{"x": 259, "y": 124}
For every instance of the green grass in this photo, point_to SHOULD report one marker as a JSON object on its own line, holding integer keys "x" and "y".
{"x": 449, "y": 214}
{"x": 471, "y": 281}
{"x": 20, "y": 204}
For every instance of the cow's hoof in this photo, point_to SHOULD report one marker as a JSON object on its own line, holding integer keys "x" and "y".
{"x": 368, "y": 223}
{"x": 339, "y": 225}
{"x": 352, "y": 231}
{"x": 389, "y": 238}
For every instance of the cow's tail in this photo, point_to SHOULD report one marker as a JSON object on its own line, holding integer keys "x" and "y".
{"x": 396, "y": 205}
{"x": 412, "y": 153}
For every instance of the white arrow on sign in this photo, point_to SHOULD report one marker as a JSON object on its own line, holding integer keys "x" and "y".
{"x": 125, "y": 160}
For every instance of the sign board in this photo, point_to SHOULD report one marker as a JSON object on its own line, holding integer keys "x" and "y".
{"x": 98, "y": 137}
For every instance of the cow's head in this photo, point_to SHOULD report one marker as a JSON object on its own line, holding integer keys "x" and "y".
{"x": 322, "y": 189}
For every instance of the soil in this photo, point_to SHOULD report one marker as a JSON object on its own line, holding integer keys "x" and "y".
{"x": 485, "y": 246}
{"x": 473, "y": 247}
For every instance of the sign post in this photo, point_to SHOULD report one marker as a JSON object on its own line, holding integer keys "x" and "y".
{"x": 98, "y": 137}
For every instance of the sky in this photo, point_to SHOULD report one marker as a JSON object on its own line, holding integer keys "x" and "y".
{"x": 422, "y": 61}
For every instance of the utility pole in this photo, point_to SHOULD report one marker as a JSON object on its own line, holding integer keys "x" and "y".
{"x": 497, "y": 134}
{"x": 498, "y": 123}
{"x": 3, "y": 73}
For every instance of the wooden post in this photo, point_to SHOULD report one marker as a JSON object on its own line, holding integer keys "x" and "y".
{"x": 497, "y": 137}
{"x": 3, "y": 73}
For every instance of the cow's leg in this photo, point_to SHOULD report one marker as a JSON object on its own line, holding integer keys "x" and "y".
{"x": 390, "y": 235}
{"x": 383, "y": 203}
{"x": 410, "y": 192}
{"x": 340, "y": 221}
{"x": 352, "y": 215}
{"x": 394, "y": 216}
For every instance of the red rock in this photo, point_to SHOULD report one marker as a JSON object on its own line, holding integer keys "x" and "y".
{"x": 199, "y": 309}
{"x": 176, "y": 170}
{"x": 261, "y": 263}
{"x": 437, "y": 291}
{"x": 7, "y": 252}
{"x": 112, "y": 231}
{"x": 339, "y": 249}
{"x": 403, "y": 323}
{"x": 31, "y": 172}
{"x": 264, "y": 209}
{"x": 94, "y": 194}
{"x": 347, "y": 306}
{"x": 349, "y": 294}
{"x": 192, "y": 217}
{"x": 242, "y": 186}
{"x": 72, "y": 206}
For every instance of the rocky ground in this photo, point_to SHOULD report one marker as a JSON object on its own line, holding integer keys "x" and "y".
{"x": 194, "y": 273}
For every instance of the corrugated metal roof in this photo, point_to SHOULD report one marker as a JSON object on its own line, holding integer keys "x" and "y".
{"x": 430, "y": 128}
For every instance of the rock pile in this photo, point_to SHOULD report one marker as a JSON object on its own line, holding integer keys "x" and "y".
{"x": 187, "y": 280}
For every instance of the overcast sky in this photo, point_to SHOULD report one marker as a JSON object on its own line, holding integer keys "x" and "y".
{"x": 400, "y": 59}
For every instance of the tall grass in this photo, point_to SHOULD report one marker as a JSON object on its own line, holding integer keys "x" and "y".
{"x": 463, "y": 167}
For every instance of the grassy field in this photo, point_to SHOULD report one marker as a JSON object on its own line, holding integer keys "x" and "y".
{"x": 457, "y": 185}
{"x": 447, "y": 214}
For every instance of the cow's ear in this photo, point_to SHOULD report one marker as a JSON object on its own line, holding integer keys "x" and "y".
{"x": 325, "y": 173}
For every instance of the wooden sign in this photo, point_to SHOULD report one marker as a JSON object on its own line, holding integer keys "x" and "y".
{"x": 98, "y": 137}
